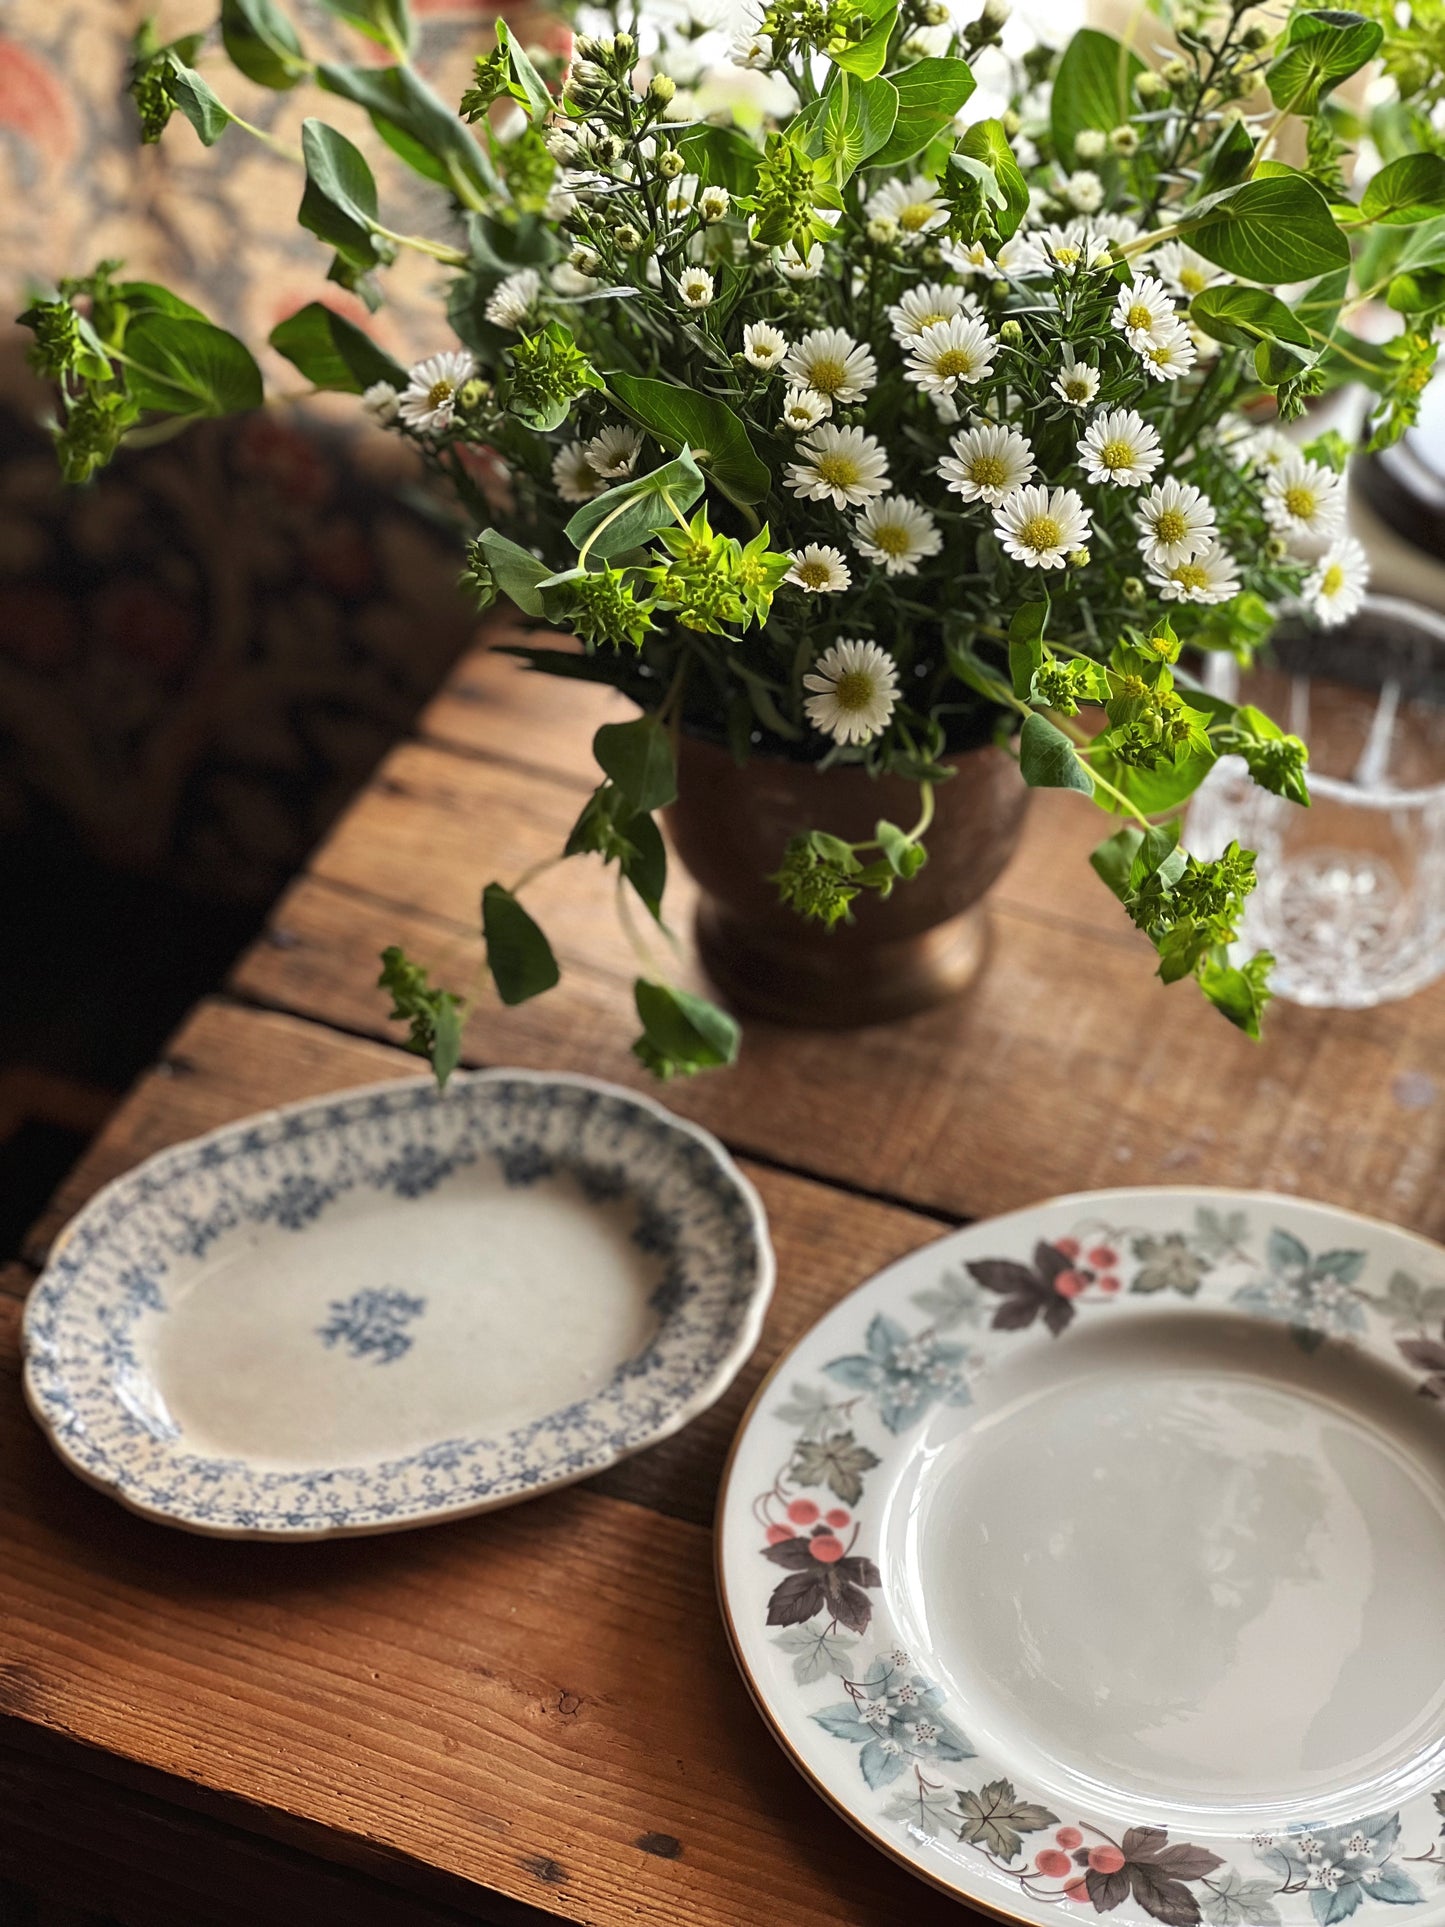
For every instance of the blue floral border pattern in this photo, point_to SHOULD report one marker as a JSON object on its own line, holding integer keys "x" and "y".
{"x": 814, "y": 1526}
{"x": 694, "y": 1211}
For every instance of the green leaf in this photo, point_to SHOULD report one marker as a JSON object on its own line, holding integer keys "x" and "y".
{"x": 645, "y": 863}
{"x": 149, "y": 297}
{"x": 987, "y": 141}
{"x": 1026, "y": 645}
{"x": 864, "y": 58}
{"x": 529, "y": 89}
{"x": 339, "y": 202}
{"x": 682, "y": 418}
{"x": 1407, "y": 192}
{"x": 1227, "y": 162}
{"x": 721, "y": 157}
{"x": 643, "y": 505}
{"x": 1240, "y": 994}
{"x": 930, "y": 93}
{"x": 189, "y": 367}
{"x": 196, "y": 101}
{"x": 262, "y": 43}
{"x": 517, "y": 572}
{"x": 681, "y": 1032}
{"x": 1244, "y": 316}
{"x": 1093, "y": 88}
{"x": 435, "y": 1015}
{"x": 1152, "y": 790}
{"x": 518, "y": 955}
{"x": 1321, "y": 49}
{"x": 904, "y": 857}
{"x": 387, "y": 22}
{"x": 1047, "y": 759}
{"x": 333, "y": 353}
{"x": 637, "y": 756}
{"x": 417, "y": 126}
{"x": 1273, "y": 230}
{"x": 1113, "y": 859}
{"x": 849, "y": 123}
{"x": 1424, "y": 249}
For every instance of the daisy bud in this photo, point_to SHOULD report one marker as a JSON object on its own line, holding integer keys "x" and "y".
{"x": 995, "y": 14}
{"x": 472, "y": 394}
{"x": 1132, "y": 589}
{"x": 1174, "y": 72}
{"x": 1090, "y": 144}
{"x": 914, "y": 49}
{"x": 1078, "y": 558}
{"x": 1011, "y": 333}
{"x": 1125, "y": 140}
{"x": 882, "y": 230}
{"x": 669, "y": 162}
{"x": 624, "y": 48}
{"x": 1011, "y": 123}
{"x": 662, "y": 89}
{"x": 1276, "y": 548}
{"x": 628, "y": 238}
{"x": 1149, "y": 87}
{"x": 586, "y": 47}
{"x": 935, "y": 14}
{"x": 585, "y": 260}
{"x": 561, "y": 146}
{"x": 712, "y": 203}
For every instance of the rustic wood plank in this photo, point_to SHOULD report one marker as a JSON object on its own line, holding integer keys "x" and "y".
{"x": 1056, "y": 1073}
{"x": 540, "y": 1702}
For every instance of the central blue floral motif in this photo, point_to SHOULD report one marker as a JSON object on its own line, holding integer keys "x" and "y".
{"x": 372, "y": 1323}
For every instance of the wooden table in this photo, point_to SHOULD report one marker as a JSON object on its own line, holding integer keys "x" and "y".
{"x": 534, "y": 1716}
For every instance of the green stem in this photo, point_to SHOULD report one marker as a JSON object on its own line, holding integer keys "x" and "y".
{"x": 438, "y": 250}
{"x": 283, "y": 148}
{"x": 606, "y": 522}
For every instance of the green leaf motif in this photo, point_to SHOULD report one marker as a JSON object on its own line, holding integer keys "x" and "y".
{"x": 1232, "y": 1901}
{"x": 1272, "y": 230}
{"x": 1321, "y": 49}
{"x": 681, "y": 418}
{"x": 995, "y": 1818}
{"x": 838, "y": 1462}
{"x": 681, "y": 1032}
{"x": 637, "y": 757}
{"x": 930, "y": 93}
{"x": 189, "y": 367}
{"x": 1047, "y": 759}
{"x": 1093, "y": 88}
{"x": 1408, "y": 192}
{"x": 816, "y": 1654}
{"x": 518, "y": 955}
{"x": 332, "y": 352}
{"x": 262, "y": 43}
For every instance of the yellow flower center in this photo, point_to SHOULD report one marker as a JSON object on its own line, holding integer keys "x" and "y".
{"x": 1189, "y": 575}
{"x": 1170, "y": 526}
{"x": 953, "y": 363}
{"x": 837, "y": 470}
{"x": 930, "y": 320}
{"x": 987, "y": 471}
{"x": 1041, "y": 532}
{"x": 1193, "y": 281}
{"x": 1065, "y": 254}
{"x": 1076, "y": 387}
{"x": 1140, "y": 317}
{"x": 1117, "y": 455}
{"x": 853, "y": 689}
{"x": 915, "y": 216}
{"x": 892, "y": 538}
{"x": 1334, "y": 580}
{"x": 827, "y": 375}
{"x": 1160, "y": 353}
{"x": 1301, "y": 501}
{"x": 440, "y": 393}
{"x": 813, "y": 575}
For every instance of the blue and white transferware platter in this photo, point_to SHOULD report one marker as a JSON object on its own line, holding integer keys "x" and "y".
{"x": 396, "y": 1306}
{"x": 1092, "y": 1561}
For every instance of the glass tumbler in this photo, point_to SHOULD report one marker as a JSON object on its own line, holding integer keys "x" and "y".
{"x": 1351, "y": 892}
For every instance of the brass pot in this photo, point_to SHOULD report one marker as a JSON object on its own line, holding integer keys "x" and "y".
{"x": 926, "y": 942}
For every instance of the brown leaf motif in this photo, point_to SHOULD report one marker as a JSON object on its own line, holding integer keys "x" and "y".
{"x": 1154, "y": 1872}
{"x": 1028, "y": 1293}
{"x": 1427, "y": 1355}
{"x": 838, "y": 1462}
{"x": 814, "y": 1585}
{"x": 996, "y": 1818}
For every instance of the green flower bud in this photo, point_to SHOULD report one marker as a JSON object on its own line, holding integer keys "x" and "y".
{"x": 1090, "y": 144}
{"x": 1132, "y": 589}
{"x": 1174, "y": 72}
{"x": 1011, "y": 333}
{"x": 624, "y": 48}
{"x": 472, "y": 394}
{"x": 1150, "y": 87}
{"x": 1078, "y": 558}
{"x": 628, "y": 238}
{"x": 669, "y": 163}
{"x": 1276, "y": 548}
{"x": 1125, "y": 140}
{"x": 662, "y": 89}
{"x": 882, "y": 230}
{"x": 1254, "y": 38}
{"x": 1011, "y": 123}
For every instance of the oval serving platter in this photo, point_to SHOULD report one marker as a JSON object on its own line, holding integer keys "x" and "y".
{"x": 396, "y": 1306}
{"x": 1093, "y": 1558}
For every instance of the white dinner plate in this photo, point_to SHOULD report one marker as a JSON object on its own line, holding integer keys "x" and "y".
{"x": 1094, "y": 1558}
{"x": 395, "y": 1306}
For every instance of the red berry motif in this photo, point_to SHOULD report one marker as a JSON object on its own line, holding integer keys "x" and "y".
{"x": 1110, "y": 1283}
{"x": 1067, "y": 1247}
{"x": 1077, "y": 1889}
{"x": 1069, "y": 1837}
{"x": 826, "y": 1548}
{"x": 1070, "y": 1283}
{"x": 777, "y": 1534}
{"x": 1053, "y": 1863}
{"x": 1104, "y": 1256}
{"x": 837, "y": 1517}
{"x": 1105, "y": 1859}
{"x": 802, "y": 1512}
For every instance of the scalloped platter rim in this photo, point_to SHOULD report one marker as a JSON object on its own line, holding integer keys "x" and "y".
{"x": 1091, "y": 1560}
{"x": 393, "y": 1306}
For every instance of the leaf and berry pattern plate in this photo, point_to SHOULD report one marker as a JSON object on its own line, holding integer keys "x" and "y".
{"x": 1093, "y": 1558}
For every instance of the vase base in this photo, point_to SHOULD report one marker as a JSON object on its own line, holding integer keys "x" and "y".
{"x": 810, "y": 981}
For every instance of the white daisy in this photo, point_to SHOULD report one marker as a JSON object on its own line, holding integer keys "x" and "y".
{"x": 380, "y": 402}
{"x": 764, "y": 346}
{"x": 1119, "y": 446}
{"x": 1041, "y": 250}
{"x": 1170, "y": 357}
{"x": 933, "y": 301}
{"x": 1077, "y": 382}
{"x": 833, "y": 364}
{"x": 681, "y": 194}
{"x": 753, "y": 50}
{"x": 430, "y": 397}
{"x": 713, "y": 203}
{"x": 969, "y": 257}
{"x": 842, "y": 466}
{"x": 1267, "y": 448}
{"x": 1039, "y": 526}
{"x": 1175, "y": 521}
{"x": 987, "y": 463}
{"x": 819, "y": 570}
{"x": 1208, "y": 576}
{"x": 1144, "y": 314}
{"x": 573, "y": 476}
{"x": 897, "y": 533}
{"x": 1304, "y": 500}
{"x": 1120, "y": 229}
{"x": 949, "y": 352}
{"x": 514, "y": 299}
{"x": 614, "y": 450}
{"x": 799, "y": 267}
{"x": 914, "y": 205}
{"x": 1084, "y": 191}
{"x": 1184, "y": 272}
{"x": 694, "y": 287}
{"x": 804, "y": 408}
{"x": 1335, "y": 588}
{"x": 857, "y": 690}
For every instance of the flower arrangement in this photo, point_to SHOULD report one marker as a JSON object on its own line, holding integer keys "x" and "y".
{"x": 843, "y": 420}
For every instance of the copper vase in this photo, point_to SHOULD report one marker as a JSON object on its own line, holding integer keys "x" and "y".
{"x": 730, "y": 826}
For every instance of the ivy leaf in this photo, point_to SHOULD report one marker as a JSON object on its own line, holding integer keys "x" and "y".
{"x": 638, "y": 758}
{"x": 805, "y": 1406}
{"x": 262, "y": 43}
{"x": 1321, "y": 49}
{"x": 189, "y": 367}
{"x": 1232, "y": 1901}
{"x": 838, "y": 1462}
{"x": 1407, "y": 191}
{"x": 518, "y": 955}
{"x": 195, "y": 99}
{"x": 332, "y": 352}
{"x": 1093, "y": 88}
{"x": 817, "y": 1654}
{"x": 1272, "y": 230}
{"x": 930, "y": 93}
{"x": 387, "y": 22}
{"x": 683, "y": 419}
{"x": 681, "y": 1032}
{"x": 339, "y": 203}
{"x": 636, "y": 509}
{"x": 1047, "y": 759}
{"x": 435, "y": 1015}
{"x": 996, "y": 1819}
